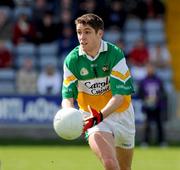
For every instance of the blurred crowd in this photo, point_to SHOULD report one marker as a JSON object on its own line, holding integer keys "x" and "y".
{"x": 36, "y": 35}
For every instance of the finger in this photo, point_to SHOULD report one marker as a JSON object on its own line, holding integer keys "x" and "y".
{"x": 88, "y": 118}
{"x": 88, "y": 125}
{"x": 90, "y": 109}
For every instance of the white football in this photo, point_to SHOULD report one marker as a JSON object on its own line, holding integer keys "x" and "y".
{"x": 68, "y": 123}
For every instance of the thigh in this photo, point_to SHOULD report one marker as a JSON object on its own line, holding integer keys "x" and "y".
{"x": 124, "y": 157}
{"x": 102, "y": 144}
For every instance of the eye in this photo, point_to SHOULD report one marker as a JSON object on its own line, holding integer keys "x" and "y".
{"x": 79, "y": 32}
{"x": 87, "y": 32}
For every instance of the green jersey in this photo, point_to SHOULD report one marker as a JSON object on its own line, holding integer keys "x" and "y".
{"x": 93, "y": 81}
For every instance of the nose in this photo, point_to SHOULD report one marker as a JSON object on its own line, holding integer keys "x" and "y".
{"x": 82, "y": 37}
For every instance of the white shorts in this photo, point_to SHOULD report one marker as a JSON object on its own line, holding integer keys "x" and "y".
{"x": 122, "y": 127}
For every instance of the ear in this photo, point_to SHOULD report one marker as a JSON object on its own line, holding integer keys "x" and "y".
{"x": 101, "y": 33}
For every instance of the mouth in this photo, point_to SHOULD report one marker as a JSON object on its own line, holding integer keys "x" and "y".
{"x": 83, "y": 43}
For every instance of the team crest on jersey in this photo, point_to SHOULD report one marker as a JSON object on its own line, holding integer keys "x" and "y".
{"x": 84, "y": 72}
{"x": 105, "y": 68}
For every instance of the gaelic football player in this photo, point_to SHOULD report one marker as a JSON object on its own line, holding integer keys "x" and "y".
{"x": 97, "y": 77}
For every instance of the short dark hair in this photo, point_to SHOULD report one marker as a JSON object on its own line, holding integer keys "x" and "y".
{"x": 92, "y": 20}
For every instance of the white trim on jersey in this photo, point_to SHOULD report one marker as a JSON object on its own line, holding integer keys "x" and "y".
{"x": 103, "y": 47}
{"x": 69, "y": 78}
{"x": 120, "y": 71}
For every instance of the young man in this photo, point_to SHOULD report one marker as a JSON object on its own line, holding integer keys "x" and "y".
{"x": 96, "y": 75}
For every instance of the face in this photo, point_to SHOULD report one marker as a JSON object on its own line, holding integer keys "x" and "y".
{"x": 88, "y": 38}
{"x": 150, "y": 69}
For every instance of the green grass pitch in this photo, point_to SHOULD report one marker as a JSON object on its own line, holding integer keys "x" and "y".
{"x": 81, "y": 158}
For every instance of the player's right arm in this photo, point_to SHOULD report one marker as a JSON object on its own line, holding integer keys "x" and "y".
{"x": 69, "y": 88}
{"x": 66, "y": 103}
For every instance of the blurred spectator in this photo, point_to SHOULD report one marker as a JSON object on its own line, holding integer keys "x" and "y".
{"x": 5, "y": 24}
{"x": 116, "y": 14}
{"x": 23, "y": 30}
{"x": 5, "y": 56}
{"x": 47, "y": 29}
{"x": 49, "y": 81}
{"x": 152, "y": 93}
{"x": 139, "y": 55}
{"x": 26, "y": 80}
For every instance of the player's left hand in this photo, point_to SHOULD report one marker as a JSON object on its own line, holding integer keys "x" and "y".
{"x": 95, "y": 118}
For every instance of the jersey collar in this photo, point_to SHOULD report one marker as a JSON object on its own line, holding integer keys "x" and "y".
{"x": 102, "y": 48}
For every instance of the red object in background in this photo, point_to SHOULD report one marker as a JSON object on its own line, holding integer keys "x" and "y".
{"x": 139, "y": 56}
{"x": 5, "y": 58}
{"x": 20, "y": 36}
{"x": 23, "y": 30}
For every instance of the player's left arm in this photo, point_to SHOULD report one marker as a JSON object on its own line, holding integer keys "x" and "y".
{"x": 98, "y": 116}
{"x": 113, "y": 104}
